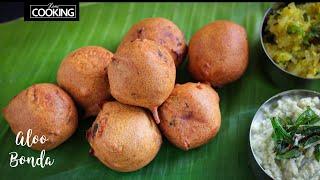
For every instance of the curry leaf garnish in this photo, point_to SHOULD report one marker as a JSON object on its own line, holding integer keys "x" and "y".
{"x": 314, "y": 140}
{"x": 282, "y": 147}
{"x": 293, "y": 153}
{"x": 286, "y": 122}
{"x": 293, "y": 138}
{"x": 308, "y": 130}
{"x": 280, "y": 133}
{"x": 313, "y": 35}
{"x": 307, "y": 117}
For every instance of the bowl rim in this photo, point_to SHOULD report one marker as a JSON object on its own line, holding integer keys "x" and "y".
{"x": 266, "y": 14}
{"x": 281, "y": 94}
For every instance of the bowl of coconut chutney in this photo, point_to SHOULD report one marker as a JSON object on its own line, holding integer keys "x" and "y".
{"x": 285, "y": 136}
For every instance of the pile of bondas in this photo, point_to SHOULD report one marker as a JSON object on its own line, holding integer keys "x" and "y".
{"x": 133, "y": 92}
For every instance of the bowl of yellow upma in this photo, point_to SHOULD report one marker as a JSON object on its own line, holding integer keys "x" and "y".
{"x": 290, "y": 37}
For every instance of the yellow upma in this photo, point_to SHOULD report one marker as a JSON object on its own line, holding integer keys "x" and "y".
{"x": 292, "y": 39}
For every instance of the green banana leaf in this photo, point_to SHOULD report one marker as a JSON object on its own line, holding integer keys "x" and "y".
{"x": 30, "y": 52}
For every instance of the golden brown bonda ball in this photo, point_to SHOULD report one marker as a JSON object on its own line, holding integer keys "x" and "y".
{"x": 83, "y": 74}
{"x": 163, "y": 32}
{"x": 218, "y": 53}
{"x": 190, "y": 117}
{"x": 142, "y": 73}
{"x": 124, "y": 137}
{"x": 45, "y": 109}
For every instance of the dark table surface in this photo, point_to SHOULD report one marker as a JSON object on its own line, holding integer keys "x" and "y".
{"x": 10, "y": 11}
